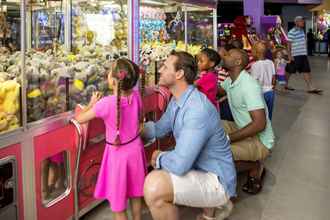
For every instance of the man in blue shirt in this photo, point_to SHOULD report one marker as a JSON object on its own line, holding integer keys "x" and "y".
{"x": 199, "y": 171}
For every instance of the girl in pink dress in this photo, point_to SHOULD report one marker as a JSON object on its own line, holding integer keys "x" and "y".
{"x": 123, "y": 167}
{"x": 207, "y": 83}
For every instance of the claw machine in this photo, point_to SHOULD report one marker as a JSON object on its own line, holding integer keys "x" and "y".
{"x": 172, "y": 25}
{"x": 11, "y": 125}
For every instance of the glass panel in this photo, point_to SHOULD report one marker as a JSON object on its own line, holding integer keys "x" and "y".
{"x": 161, "y": 30}
{"x": 322, "y": 24}
{"x": 54, "y": 177}
{"x": 46, "y": 70}
{"x": 9, "y": 65}
{"x": 99, "y": 34}
{"x": 7, "y": 183}
{"x": 47, "y": 25}
{"x": 200, "y": 28}
{"x": 225, "y": 33}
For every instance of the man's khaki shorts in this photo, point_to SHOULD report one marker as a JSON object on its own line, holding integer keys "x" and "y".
{"x": 198, "y": 189}
{"x": 249, "y": 149}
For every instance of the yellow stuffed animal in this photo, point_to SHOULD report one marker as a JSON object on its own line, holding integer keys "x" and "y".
{"x": 9, "y": 94}
{"x": 13, "y": 123}
{"x": 9, "y": 105}
{"x": 3, "y": 121}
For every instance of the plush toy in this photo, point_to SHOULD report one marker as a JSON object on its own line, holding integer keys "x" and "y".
{"x": 10, "y": 92}
{"x": 3, "y": 121}
{"x": 240, "y": 32}
{"x": 13, "y": 123}
{"x": 9, "y": 105}
{"x": 277, "y": 35}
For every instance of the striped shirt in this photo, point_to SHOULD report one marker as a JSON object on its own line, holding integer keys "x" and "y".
{"x": 222, "y": 74}
{"x": 297, "y": 38}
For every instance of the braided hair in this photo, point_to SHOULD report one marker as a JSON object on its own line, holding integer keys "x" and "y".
{"x": 127, "y": 74}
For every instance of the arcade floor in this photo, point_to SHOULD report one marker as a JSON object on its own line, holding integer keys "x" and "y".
{"x": 297, "y": 184}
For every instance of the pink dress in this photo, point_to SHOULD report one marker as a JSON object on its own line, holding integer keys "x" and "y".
{"x": 123, "y": 168}
{"x": 208, "y": 84}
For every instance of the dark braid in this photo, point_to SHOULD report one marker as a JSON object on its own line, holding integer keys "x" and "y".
{"x": 117, "y": 139}
{"x": 125, "y": 84}
{"x": 142, "y": 92}
{"x": 143, "y": 82}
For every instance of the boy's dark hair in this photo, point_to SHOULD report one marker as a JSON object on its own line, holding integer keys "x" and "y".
{"x": 212, "y": 55}
{"x": 187, "y": 63}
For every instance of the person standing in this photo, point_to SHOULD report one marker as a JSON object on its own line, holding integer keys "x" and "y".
{"x": 298, "y": 60}
{"x": 310, "y": 42}
{"x": 263, "y": 70}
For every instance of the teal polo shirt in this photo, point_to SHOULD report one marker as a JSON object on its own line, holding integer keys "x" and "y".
{"x": 245, "y": 95}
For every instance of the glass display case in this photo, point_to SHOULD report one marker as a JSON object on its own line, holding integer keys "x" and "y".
{"x": 199, "y": 28}
{"x": 46, "y": 90}
{"x": 162, "y": 29}
{"x": 99, "y": 35}
{"x": 10, "y": 61}
{"x": 59, "y": 79}
{"x": 172, "y": 25}
{"x": 47, "y": 25}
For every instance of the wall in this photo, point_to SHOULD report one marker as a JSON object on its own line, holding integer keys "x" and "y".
{"x": 289, "y": 12}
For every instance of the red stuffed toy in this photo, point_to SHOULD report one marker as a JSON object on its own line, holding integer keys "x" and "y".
{"x": 240, "y": 31}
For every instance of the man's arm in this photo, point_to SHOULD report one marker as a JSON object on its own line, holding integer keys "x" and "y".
{"x": 254, "y": 101}
{"x": 221, "y": 91}
{"x": 160, "y": 128}
{"x": 257, "y": 125}
{"x": 192, "y": 139}
{"x": 289, "y": 52}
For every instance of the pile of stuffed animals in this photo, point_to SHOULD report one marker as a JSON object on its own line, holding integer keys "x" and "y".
{"x": 56, "y": 82}
{"x": 152, "y": 53}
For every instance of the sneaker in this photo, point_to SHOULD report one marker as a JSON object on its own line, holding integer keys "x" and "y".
{"x": 224, "y": 211}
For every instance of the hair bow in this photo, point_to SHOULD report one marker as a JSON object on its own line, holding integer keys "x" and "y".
{"x": 122, "y": 74}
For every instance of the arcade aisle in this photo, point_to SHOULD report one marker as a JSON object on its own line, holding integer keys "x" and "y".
{"x": 297, "y": 182}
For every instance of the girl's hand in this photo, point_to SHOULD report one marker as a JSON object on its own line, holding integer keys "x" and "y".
{"x": 95, "y": 98}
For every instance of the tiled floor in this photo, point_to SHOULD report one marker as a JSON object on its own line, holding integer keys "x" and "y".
{"x": 297, "y": 184}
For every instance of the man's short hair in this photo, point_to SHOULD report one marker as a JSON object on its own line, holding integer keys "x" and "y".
{"x": 238, "y": 44}
{"x": 187, "y": 63}
{"x": 299, "y": 18}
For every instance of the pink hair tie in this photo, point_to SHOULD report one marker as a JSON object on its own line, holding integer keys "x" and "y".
{"x": 122, "y": 74}
{"x": 141, "y": 70}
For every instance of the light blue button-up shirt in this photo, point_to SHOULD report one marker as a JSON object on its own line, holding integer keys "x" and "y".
{"x": 201, "y": 142}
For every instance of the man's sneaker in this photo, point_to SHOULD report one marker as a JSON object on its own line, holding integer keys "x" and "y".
{"x": 224, "y": 211}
